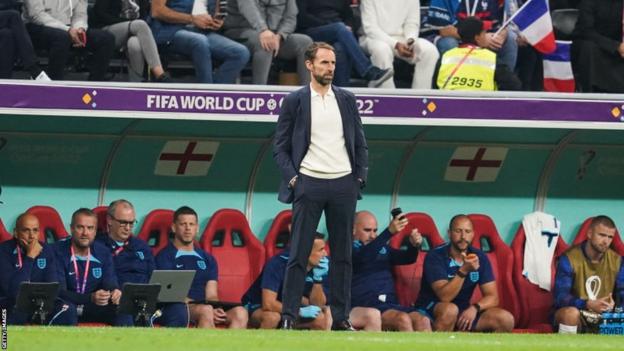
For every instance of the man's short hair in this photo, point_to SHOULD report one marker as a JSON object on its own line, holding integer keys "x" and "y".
{"x": 184, "y": 210}
{"x": 82, "y": 211}
{"x": 20, "y": 218}
{"x": 310, "y": 53}
{"x": 319, "y": 236}
{"x": 604, "y": 220}
{"x": 468, "y": 29}
{"x": 456, "y": 217}
{"x": 113, "y": 206}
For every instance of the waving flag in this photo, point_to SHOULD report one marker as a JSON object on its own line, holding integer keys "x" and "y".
{"x": 533, "y": 20}
{"x": 558, "y": 69}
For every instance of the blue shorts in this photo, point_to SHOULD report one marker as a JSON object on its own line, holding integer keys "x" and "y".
{"x": 427, "y": 311}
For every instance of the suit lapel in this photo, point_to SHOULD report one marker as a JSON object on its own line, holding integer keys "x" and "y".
{"x": 346, "y": 122}
{"x": 306, "y": 111}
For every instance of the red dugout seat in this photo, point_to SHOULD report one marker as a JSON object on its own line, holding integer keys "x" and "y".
{"x": 4, "y": 234}
{"x": 156, "y": 229}
{"x": 407, "y": 278}
{"x": 278, "y": 236}
{"x": 535, "y": 302}
{"x": 51, "y": 227}
{"x": 487, "y": 239}
{"x": 102, "y": 219}
{"x": 616, "y": 245}
{"x": 239, "y": 253}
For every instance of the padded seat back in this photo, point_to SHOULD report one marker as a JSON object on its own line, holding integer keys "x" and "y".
{"x": 51, "y": 227}
{"x": 535, "y": 302}
{"x": 156, "y": 229}
{"x": 278, "y": 236}
{"x": 487, "y": 239}
{"x": 238, "y": 252}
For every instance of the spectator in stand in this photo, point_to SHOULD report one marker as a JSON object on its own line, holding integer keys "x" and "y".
{"x": 332, "y": 21}
{"x": 598, "y": 48}
{"x": 14, "y": 37}
{"x": 391, "y": 30}
{"x": 444, "y": 16}
{"x": 59, "y": 25}
{"x": 196, "y": 35}
{"x": 123, "y": 18}
{"x": 267, "y": 27}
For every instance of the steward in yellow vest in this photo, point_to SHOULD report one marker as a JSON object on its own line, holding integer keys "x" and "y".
{"x": 472, "y": 67}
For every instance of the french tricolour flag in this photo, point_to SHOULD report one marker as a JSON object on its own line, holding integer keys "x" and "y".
{"x": 558, "y": 69}
{"x": 535, "y": 24}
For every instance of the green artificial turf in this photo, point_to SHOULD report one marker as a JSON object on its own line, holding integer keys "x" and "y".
{"x": 120, "y": 339}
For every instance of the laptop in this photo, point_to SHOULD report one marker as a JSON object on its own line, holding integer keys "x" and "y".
{"x": 174, "y": 284}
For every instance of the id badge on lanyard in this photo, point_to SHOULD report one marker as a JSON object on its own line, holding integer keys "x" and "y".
{"x": 81, "y": 288}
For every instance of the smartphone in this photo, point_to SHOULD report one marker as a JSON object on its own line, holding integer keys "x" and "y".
{"x": 396, "y": 212}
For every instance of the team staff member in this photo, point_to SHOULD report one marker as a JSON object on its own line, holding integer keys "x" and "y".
{"x": 181, "y": 254}
{"x": 132, "y": 257}
{"x": 263, "y": 300}
{"x": 87, "y": 275}
{"x": 472, "y": 66}
{"x": 321, "y": 152}
{"x": 373, "y": 284}
{"x": 23, "y": 259}
{"x": 451, "y": 273}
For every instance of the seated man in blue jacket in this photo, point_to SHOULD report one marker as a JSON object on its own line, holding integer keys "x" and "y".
{"x": 373, "y": 284}
{"x": 87, "y": 275}
{"x": 132, "y": 257}
{"x": 23, "y": 259}
{"x": 450, "y": 275}
{"x": 183, "y": 254}
{"x": 263, "y": 300}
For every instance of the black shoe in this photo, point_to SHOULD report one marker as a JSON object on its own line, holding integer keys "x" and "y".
{"x": 163, "y": 78}
{"x": 286, "y": 324}
{"x": 343, "y": 325}
{"x": 376, "y": 76}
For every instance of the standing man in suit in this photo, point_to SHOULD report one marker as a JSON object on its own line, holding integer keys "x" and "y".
{"x": 322, "y": 155}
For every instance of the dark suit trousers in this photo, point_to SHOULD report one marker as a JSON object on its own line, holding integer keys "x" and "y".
{"x": 313, "y": 196}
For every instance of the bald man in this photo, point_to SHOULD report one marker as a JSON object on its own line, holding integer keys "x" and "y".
{"x": 373, "y": 260}
{"x": 23, "y": 259}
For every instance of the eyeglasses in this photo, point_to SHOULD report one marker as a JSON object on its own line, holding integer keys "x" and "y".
{"x": 128, "y": 224}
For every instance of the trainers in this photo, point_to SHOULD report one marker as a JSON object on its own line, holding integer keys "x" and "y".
{"x": 377, "y": 76}
{"x": 42, "y": 76}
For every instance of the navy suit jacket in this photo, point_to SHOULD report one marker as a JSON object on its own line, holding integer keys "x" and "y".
{"x": 292, "y": 136}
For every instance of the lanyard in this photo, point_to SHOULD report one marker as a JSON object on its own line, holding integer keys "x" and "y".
{"x": 471, "y": 12}
{"x": 86, "y": 272}
{"x": 119, "y": 249}
{"x": 19, "y": 256}
{"x": 461, "y": 62}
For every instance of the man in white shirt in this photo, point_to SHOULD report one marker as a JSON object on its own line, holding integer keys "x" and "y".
{"x": 322, "y": 155}
{"x": 391, "y": 30}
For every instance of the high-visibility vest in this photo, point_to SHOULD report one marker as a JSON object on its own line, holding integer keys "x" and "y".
{"x": 476, "y": 71}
